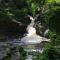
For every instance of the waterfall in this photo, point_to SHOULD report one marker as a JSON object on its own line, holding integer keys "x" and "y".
{"x": 30, "y": 29}
{"x": 32, "y": 39}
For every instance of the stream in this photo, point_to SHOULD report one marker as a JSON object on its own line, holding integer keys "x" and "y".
{"x": 5, "y": 48}
{"x": 31, "y": 42}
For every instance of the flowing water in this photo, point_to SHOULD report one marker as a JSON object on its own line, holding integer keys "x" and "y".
{"x": 30, "y": 39}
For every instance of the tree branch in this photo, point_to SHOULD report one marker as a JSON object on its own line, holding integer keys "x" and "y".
{"x": 13, "y": 20}
{"x": 16, "y": 21}
{"x": 37, "y": 16}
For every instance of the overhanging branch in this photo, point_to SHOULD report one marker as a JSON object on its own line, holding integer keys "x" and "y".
{"x": 15, "y": 21}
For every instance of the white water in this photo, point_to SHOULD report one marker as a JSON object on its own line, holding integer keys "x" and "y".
{"x": 29, "y": 57}
{"x": 32, "y": 37}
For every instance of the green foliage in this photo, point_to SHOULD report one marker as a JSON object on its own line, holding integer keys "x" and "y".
{"x": 55, "y": 38}
{"x": 52, "y": 53}
{"x": 54, "y": 21}
{"x": 49, "y": 15}
{"x": 51, "y": 18}
{"x": 23, "y": 53}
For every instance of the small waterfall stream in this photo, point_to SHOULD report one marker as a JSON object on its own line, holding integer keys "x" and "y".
{"x": 30, "y": 39}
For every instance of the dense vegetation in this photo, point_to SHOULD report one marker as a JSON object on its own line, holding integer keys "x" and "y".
{"x": 14, "y": 20}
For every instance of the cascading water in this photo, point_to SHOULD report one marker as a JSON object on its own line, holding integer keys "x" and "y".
{"x": 32, "y": 39}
